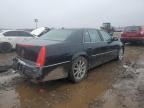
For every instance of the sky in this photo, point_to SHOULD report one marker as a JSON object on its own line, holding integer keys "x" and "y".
{"x": 70, "y": 13}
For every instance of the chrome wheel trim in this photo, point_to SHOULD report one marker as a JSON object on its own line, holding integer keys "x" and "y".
{"x": 120, "y": 56}
{"x": 79, "y": 69}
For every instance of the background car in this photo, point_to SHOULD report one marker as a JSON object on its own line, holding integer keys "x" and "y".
{"x": 40, "y": 31}
{"x": 66, "y": 53}
{"x": 133, "y": 34}
{"x": 9, "y": 38}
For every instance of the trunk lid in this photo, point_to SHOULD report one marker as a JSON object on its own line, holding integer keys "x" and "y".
{"x": 30, "y": 50}
{"x": 27, "y": 52}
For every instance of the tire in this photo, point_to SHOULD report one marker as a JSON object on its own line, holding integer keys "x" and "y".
{"x": 120, "y": 54}
{"x": 79, "y": 69}
{"x": 5, "y": 47}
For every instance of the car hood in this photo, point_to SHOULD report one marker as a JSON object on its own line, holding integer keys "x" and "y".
{"x": 38, "y": 31}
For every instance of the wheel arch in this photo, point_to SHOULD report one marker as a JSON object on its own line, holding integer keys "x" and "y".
{"x": 83, "y": 54}
{"x": 3, "y": 50}
{"x": 7, "y": 43}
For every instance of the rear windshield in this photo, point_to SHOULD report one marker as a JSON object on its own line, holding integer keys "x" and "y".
{"x": 132, "y": 29}
{"x": 58, "y": 35}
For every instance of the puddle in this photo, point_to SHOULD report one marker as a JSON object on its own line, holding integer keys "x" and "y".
{"x": 9, "y": 99}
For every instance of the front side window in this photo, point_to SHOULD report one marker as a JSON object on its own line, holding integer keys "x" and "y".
{"x": 94, "y": 35}
{"x": 86, "y": 37}
{"x": 106, "y": 36}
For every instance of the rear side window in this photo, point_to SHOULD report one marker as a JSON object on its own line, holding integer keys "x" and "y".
{"x": 132, "y": 29}
{"x": 94, "y": 35}
{"x": 58, "y": 35}
{"x": 86, "y": 37}
{"x": 10, "y": 33}
{"x": 105, "y": 35}
{"x": 23, "y": 34}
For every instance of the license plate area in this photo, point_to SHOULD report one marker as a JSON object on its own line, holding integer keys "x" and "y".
{"x": 19, "y": 65}
{"x": 25, "y": 69}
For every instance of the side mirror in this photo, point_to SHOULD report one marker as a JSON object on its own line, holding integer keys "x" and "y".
{"x": 111, "y": 34}
{"x": 115, "y": 39}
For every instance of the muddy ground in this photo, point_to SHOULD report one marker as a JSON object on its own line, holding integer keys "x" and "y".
{"x": 112, "y": 85}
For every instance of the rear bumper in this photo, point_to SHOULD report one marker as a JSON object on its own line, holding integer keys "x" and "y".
{"x": 36, "y": 74}
{"x": 30, "y": 71}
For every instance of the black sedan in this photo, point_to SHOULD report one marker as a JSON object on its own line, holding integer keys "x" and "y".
{"x": 66, "y": 53}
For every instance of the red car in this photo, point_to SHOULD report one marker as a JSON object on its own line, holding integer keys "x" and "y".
{"x": 133, "y": 34}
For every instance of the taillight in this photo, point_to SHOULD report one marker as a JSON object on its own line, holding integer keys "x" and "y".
{"x": 142, "y": 32}
{"x": 41, "y": 57}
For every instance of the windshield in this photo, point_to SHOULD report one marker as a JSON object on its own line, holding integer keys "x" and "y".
{"x": 59, "y": 35}
{"x": 132, "y": 29}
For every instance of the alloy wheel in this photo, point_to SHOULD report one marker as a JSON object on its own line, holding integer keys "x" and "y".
{"x": 79, "y": 69}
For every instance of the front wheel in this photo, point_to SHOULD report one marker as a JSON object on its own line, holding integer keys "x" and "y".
{"x": 120, "y": 54}
{"x": 78, "y": 70}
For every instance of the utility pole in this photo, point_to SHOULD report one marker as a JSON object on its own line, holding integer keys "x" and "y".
{"x": 36, "y": 22}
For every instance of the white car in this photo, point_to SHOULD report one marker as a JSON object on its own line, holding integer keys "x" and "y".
{"x": 40, "y": 31}
{"x": 9, "y": 38}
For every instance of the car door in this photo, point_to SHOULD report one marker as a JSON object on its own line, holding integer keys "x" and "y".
{"x": 92, "y": 45}
{"x": 109, "y": 47}
{"x": 10, "y": 36}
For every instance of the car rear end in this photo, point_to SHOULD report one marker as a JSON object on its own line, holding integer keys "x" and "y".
{"x": 133, "y": 34}
{"x": 45, "y": 58}
{"x": 30, "y": 61}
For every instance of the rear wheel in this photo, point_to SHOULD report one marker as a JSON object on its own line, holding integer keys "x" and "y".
{"x": 78, "y": 70}
{"x": 5, "y": 47}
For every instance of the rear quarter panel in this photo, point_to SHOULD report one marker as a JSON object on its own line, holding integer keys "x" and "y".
{"x": 63, "y": 52}
{"x": 58, "y": 53}
{"x": 60, "y": 56}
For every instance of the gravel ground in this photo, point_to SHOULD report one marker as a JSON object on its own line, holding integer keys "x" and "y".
{"x": 112, "y": 85}
{"x": 128, "y": 89}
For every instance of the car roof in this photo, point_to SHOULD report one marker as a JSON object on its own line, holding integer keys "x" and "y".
{"x": 76, "y": 29}
{"x": 3, "y": 31}
{"x": 132, "y": 26}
